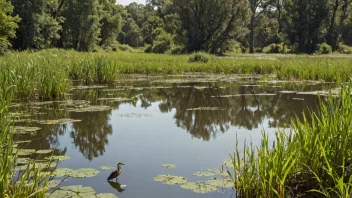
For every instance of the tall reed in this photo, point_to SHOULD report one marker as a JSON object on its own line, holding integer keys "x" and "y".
{"x": 314, "y": 158}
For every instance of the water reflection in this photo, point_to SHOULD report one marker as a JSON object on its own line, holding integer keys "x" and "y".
{"x": 117, "y": 186}
{"x": 248, "y": 107}
{"x": 91, "y": 134}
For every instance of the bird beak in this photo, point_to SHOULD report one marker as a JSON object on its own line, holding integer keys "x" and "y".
{"x": 122, "y": 164}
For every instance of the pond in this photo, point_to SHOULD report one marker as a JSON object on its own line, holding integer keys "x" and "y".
{"x": 149, "y": 121}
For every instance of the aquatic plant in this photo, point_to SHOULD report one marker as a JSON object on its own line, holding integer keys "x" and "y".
{"x": 313, "y": 158}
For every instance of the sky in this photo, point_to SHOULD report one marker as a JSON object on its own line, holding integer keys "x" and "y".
{"x": 126, "y": 2}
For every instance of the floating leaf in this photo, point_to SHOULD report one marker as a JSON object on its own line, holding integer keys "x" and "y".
{"x": 73, "y": 191}
{"x": 204, "y": 188}
{"x": 218, "y": 171}
{"x": 22, "y": 142}
{"x": 106, "y": 167}
{"x": 225, "y": 183}
{"x": 205, "y": 174}
{"x": 119, "y": 99}
{"x": 106, "y": 195}
{"x": 60, "y": 121}
{"x": 228, "y": 163}
{"x": 22, "y": 160}
{"x": 60, "y": 172}
{"x": 42, "y": 165}
{"x": 25, "y": 151}
{"x": 25, "y": 130}
{"x": 44, "y": 151}
{"x": 135, "y": 115}
{"x": 206, "y": 109}
{"x": 58, "y": 157}
{"x": 90, "y": 109}
{"x": 169, "y": 165}
{"x": 189, "y": 185}
{"x": 54, "y": 183}
{"x": 170, "y": 179}
{"x": 22, "y": 167}
{"x": 84, "y": 172}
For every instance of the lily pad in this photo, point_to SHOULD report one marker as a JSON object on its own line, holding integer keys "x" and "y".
{"x": 84, "y": 172}
{"x": 60, "y": 121}
{"x": 58, "y": 157}
{"x": 189, "y": 185}
{"x": 204, "y": 188}
{"x": 205, "y": 174}
{"x": 42, "y": 165}
{"x": 44, "y": 151}
{"x": 54, "y": 183}
{"x": 228, "y": 163}
{"x": 106, "y": 167}
{"x": 22, "y": 167}
{"x": 73, "y": 191}
{"x": 60, "y": 172}
{"x": 22, "y": 161}
{"x": 135, "y": 115}
{"x": 118, "y": 99}
{"x": 169, "y": 165}
{"x": 218, "y": 171}
{"x": 89, "y": 108}
{"x": 23, "y": 142}
{"x": 25, "y": 130}
{"x": 206, "y": 109}
{"x": 224, "y": 183}
{"x": 170, "y": 179}
{"x": 106, "y": 195}
{"x": 24, "y": 152}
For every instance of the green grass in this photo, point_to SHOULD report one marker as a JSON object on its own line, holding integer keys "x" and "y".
{"x": 11, "y": 186}
{"x": 47, "y": 74}
{"x": 314, "y": 158}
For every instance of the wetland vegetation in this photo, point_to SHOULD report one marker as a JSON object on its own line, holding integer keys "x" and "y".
{"x": 84, "y": 83}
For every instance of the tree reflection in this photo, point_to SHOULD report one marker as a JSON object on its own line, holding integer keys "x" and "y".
{"x": 91, "y": 134}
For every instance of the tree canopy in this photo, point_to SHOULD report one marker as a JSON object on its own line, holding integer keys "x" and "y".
{"x": 159, "y": 26}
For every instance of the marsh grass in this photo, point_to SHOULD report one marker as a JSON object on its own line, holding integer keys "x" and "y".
{"x": 47, "y": 74}
{"x": 313, "y": 159}
{"x": 9, "y": 186}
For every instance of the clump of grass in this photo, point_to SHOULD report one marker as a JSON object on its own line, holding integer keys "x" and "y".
{"x": 9, "y": 186}
{"x": 199, "y": 57}
{"x": 314, "y": 158}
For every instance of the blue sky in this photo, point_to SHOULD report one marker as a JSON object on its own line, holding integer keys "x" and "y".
{"x": 126, "y": 2}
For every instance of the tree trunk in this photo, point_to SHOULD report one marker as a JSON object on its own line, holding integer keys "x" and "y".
{"x": 251, "y": 34}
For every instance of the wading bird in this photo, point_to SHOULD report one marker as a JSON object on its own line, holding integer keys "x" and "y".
{"x": 116, "y": 172}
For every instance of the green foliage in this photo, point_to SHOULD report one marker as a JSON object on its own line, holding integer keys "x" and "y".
{"x": 344, "y": 49}
{"x": 81, "y": 27}
{"x": 199, "y": 57}
{"x": 324, "y": 48}
{"x": 8, "y": 24}
{"x": 163, "y": 42}
{"x": 125, "y": 48}
{"x": 37, "y": 28}
{"x": 178, "y": 50}
{"x": 314, "y": 156}
{"x": 276, "y": 48}
{"x": 228, "y": 19}
{"x": 148, "y": 49}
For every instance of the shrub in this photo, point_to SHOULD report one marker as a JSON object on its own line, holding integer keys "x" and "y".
{"x": 323, "y": 48}
{"x": 258, "y": 50}
{"x": 148, "y": 49}
{"x": 199, "y": 57}
{"x": 276, "y": 48}
{"x": 178, "y": 50}
{"x": 344, "y": 49}
{"x": 125, "y": 48}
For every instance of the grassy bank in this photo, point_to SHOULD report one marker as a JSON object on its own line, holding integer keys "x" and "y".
{"x": 15, "y": 184}
{"x": 313, "y": 160}
{"x": 47, "y": 74}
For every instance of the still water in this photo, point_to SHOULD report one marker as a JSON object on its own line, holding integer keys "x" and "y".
{"x": 191, "y": 123}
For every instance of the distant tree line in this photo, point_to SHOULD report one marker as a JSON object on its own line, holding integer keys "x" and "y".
{"x": 179, "y": 26}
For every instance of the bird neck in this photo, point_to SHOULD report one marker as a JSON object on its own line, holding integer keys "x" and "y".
{"x": 119, "y": 167}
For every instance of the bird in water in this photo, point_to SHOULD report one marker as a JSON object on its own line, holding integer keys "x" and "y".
{"x": 116, "y": 172}
{"x": 117, "y": 186}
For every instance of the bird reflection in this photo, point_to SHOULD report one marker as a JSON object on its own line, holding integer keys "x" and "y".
{"x": 117, "y": 186}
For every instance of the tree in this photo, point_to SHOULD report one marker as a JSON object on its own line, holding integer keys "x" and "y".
{"x": 37, "y": 28}
{"x": 211, "y": 23}
{"x": 8, "y": 24}
{"x": 339, "y": 10}
{"x": 304, "y": 20}
{"x": 257, "y": 7}
{"x": 110, "y": 21}
{"x": 81, "y": 29}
